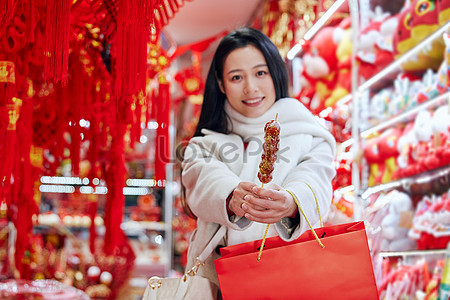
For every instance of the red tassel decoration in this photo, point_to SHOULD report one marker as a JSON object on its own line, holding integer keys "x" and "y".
{"x": 9, "y": 113}
{"x": 115, "y": 180}
{"x": 162, "y": 144}
{"x": 6, "y": 12}
{"x": 57, "y": 41}
{"x": 77, "y": 85}
{"x": 23, "y": 189}
{"x": 92, "y": 210}
{"x": 133, "y": 33}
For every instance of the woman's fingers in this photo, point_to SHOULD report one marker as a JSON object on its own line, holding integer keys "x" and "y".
{"x": 275, "y": 204}
{"x": 267, "y": 204}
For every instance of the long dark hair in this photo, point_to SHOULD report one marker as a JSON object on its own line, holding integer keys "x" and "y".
{"x": 213, "y": 114}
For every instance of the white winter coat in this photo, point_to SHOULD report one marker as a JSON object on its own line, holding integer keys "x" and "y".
{"x": 215, "y": 163}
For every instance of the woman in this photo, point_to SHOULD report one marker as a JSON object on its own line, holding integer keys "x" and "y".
{"x": 247, "y": 86}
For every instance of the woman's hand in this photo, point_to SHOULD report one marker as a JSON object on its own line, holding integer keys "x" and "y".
{"x": 237, "y": 201}
{"x": 266, "y": 205}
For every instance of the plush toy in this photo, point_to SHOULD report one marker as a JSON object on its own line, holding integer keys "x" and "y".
{"x": 443, "y": 8}
{"x": 441, "y": 141}
{"x": 375, "y": 162}
{"x": 404, "y": 146}
{"x": 428, "y": 90}
{"x": 375, "y": 49}
{"x": 320, "y": 63}
{"x": 343, "y": 176}
{"x": 396, "y": 224}
{"x": 379, "y": 105}
{"x": 439, "y": 83}
{"x": 417, "y": 21}
{"x": 424, "y": 132}
{"x": 340, "y": 123}
{"x": 400, "y": 96}
{"x": 423, "y": 127}
{"x": 431, "y": 226}
{"x": 387, "y": 146}
{"x": 307, "y": 94}
{"x": 407, "y": 86}
{"x": 342, "y": 208}
{"x": 443, "y": 80}
{"x": 344, "y": 56}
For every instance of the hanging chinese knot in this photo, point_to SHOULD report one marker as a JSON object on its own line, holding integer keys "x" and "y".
{"x": 73, "y": 84}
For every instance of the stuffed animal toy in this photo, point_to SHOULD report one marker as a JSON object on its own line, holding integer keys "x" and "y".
{"x": 443, "y": 80}
{"x": 423, "y": 127}
{"x": 342, "y": 208}
{"x": 425, "y": 21}
{"x": 396, "y": 224}
{"x": 424, "y": 133}
{"x": 379, "y": 105}
{"x": 344, "y": 56}
{"x": 343, "y": 176}
{"x": 428, "y": 90}
{"x": 441, "y": 141}
{"x": 340, "y": 122}
{"x": 320, "y": 63}
{"x": 400, "y": 96}
{"x": 388, "y": 149}
{"x": 431, "y": 226}
{"x": 417, "y": 21}
{"x": 375, "y": 49}
{"x": 375, "y": 162}
{"x": 307, "y": 94}
{"x": 443, "y": 8}
{"x": 407, "y": 86}
{"x": 439, "y": 83}
{"x": 405, "y": 145}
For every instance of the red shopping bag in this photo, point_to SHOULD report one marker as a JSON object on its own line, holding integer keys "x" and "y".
{"x": 301, "y": 269}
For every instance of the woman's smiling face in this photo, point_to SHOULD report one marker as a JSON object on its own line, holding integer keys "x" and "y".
{"x": 247, "y": 82}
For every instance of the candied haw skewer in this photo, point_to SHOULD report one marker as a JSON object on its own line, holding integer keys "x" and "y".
{"x": 268, "y": 158}
{"x": 270, "y": 148}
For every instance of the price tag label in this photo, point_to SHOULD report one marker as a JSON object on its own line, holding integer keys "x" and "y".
{"x": 406, "y": 218}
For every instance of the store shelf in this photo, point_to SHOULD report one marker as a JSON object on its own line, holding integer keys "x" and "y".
{"x": 407, "y": 115}
{"x": 412, "y": 253}
{"x": 434, "y": 180}
{"x": 396, "y": 65}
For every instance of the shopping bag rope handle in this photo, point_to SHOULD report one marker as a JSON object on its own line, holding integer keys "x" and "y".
{"x": 303, "y": 213}
{"x": 307, "y": 221}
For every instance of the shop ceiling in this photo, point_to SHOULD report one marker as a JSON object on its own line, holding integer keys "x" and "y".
{"x": 200, "y": 19}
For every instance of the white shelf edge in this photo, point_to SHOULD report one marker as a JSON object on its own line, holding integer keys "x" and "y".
{"x": 405, "y": 182}
{"x": 394, "y": 65}
{"x": 397, "y": 63}
{"x": 412, "y": 252}
{"x": 405, "y": 115}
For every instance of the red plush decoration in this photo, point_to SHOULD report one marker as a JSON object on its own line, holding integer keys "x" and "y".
{"x": 191, "y": 81}
{"x": 443, "y": 8}
{"x": 343, "y": 173}
{"x": 344, "y": 56}
{"x": 375, "y": 50}
{"x": 320, "y": 62}
{"x": 387, "y": 145}
{"x": 374, "y": 160}
{"x": 416, "y": 22}
{"x": 162, "y": 144}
